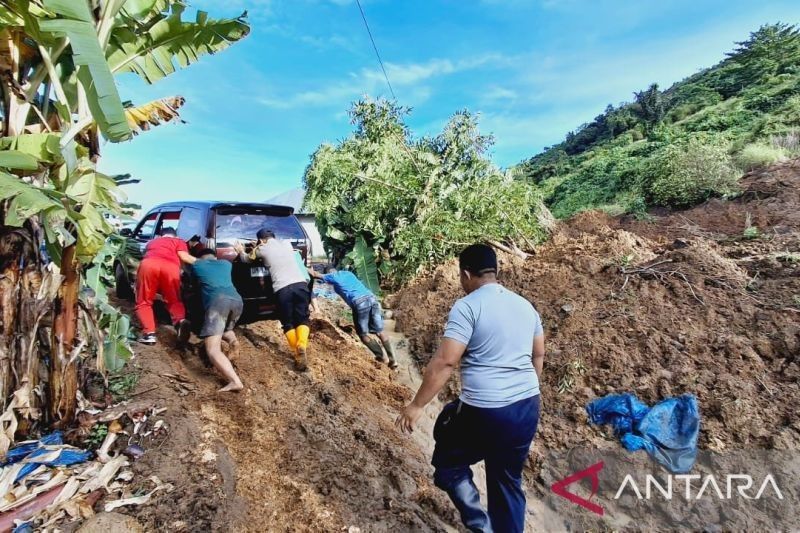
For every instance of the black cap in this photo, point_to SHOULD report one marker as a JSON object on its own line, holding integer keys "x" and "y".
{"x": 265, "y": 233}
{"x": 478, "y": 259}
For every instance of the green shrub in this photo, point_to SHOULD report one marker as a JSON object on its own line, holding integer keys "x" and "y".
{"x": 755, "y": 156}
{"x": 596, "y": 183}
{"x": 688, "y": 172}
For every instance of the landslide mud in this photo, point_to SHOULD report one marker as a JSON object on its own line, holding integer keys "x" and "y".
{"x": 682, "y": 303}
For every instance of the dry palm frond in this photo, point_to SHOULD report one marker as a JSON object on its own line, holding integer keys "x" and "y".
{"x": 142, "y": 118}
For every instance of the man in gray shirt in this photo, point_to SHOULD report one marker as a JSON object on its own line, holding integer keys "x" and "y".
{"x": 497, "y": 337}
{"x": 291, "y": 290}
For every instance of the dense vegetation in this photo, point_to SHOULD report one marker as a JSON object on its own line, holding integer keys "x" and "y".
{"x": 58, "y": 62}
{"x": 680, "y": 146}
{"x": 390, "y": 204}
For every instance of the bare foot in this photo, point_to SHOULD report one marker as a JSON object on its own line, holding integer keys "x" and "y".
{"x": 231, "y": 387}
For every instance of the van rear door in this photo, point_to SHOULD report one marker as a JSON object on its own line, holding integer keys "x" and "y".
{"x": 240, "y": 223}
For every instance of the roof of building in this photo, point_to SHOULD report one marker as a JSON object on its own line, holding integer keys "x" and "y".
{"x": 293, "y": 198}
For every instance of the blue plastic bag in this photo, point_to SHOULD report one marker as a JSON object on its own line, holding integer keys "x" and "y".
{"x": 20, "y": 452}
{"x": 66, "y": 457}
{"x": 667, "y": 431}
{"x": 33, "y": 449}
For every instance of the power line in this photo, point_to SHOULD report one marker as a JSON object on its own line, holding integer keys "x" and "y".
{"x": 375, "y": 47}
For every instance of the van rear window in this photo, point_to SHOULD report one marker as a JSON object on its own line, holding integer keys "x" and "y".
{"x": 232, "y": 226}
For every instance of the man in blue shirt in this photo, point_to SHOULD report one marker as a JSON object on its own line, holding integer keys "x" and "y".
{"x": 367, "y": 312}
{"x": 497, "y": 337}
{"x": 223, "y": 307}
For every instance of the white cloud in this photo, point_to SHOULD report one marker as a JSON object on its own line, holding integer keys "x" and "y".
{"x": 495, "y": 93}
{"x": 410, "y": 76}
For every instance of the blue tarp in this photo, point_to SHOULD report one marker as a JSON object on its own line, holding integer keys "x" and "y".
{"x": 667, "y": 431}
{"x": 30, "y": 450}
{"x": 19, "y": 452}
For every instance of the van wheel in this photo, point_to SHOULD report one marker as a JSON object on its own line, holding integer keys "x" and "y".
{"x": 123, "y": 284}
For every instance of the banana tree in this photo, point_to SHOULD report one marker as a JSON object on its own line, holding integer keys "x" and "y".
{"x": 58, "y": 59}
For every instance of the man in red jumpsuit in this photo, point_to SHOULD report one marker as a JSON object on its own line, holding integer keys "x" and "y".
{"x": 160, "y": 273}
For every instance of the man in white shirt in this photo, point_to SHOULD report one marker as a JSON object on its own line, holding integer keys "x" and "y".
{"x": 291, "y": 289}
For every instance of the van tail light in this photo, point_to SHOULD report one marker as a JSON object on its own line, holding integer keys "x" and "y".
{"x": 227, "y": 253}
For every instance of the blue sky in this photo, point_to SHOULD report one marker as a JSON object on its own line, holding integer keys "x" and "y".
{"x": 533, "y": 69}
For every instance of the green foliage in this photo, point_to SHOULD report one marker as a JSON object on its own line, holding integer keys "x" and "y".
{"x": 751, "y": 232}
{"x": 415, "y": 201}
{"x": 122, "y": 385}
{"x": 748, "y": 101}
{"x": 365, "y": 264}
{"x": 96, "y": 436}
{"x": 649, "y": 107}
{"x": 71, "y": 207}
{"x": 685, "y": 173}
{"x": 596, "y": 182}
{"x": 111, "y": 328}
{"x": 154, "y": 42}
{"x": 755, "y": 156}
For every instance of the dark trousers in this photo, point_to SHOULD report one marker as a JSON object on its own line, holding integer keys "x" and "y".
{"x": 293, "y": 301}
{"x": 501, "y": 438}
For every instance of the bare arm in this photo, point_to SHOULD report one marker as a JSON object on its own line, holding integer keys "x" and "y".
{"x": 243, "y": 257}
{"x": 187, "y": 258}
{"x": 314, "y": 274}
{"x": 437, "y": 373}
{"x": 538, "y": 355}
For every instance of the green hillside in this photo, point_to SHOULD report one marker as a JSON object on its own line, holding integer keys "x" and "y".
{"x": 683, "y": 145}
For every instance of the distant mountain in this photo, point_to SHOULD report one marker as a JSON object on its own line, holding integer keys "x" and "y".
{"x": 680, "y": 146}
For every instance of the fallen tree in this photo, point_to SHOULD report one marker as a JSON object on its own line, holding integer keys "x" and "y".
{"x": 382, "y": 197}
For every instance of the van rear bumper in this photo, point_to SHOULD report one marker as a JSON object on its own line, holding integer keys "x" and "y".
{"x": 257, "y": 309}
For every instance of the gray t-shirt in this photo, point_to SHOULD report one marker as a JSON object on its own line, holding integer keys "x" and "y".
{"x": 278, "y": 256}
{"x": 498, "y": 327}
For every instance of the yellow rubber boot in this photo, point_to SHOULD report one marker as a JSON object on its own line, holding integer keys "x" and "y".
{"x": 291, "y": 336}
{"x": 302, "y": 345}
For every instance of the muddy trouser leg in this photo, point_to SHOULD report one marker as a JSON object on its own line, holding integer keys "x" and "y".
{"x": 376, "y": 326}
{"x": 457, "y": 448}
{"x": 515, "y": 425}
{"x": 361, "y": 311}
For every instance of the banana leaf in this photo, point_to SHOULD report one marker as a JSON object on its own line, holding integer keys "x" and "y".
{"x": 336, "y": 234}
{"x": 18, "y": 160}
{"x": 116, "y": 345}
{"x": 26, "y": 200}
{"x": 156, "y": 50}
{"x": 363, "y": 257}
{"x": 143, "y": 117}
{"x": 93, "y": 70}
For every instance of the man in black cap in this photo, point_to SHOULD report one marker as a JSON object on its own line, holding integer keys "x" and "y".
{"x": 497, "y": 337}
{"x": 291, "y": 289}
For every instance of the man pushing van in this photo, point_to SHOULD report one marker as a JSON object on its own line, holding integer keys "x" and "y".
{"x": 367, "y": 312}
{"x": 290, "y": 287}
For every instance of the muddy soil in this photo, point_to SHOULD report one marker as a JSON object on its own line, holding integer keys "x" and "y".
{"x": 293, "y": 452}
{"x": 682, "y": 303}
{"x": 685, "y": 302}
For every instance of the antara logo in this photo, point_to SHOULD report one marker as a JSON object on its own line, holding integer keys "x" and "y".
{"x": 593, "y": 471}
{"x": 741, "y": 485}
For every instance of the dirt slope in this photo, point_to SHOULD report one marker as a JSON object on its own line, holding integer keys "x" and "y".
{"x": 682, "y": 303}
{"x": 679, "y": 304}
{"x": 293, "y": 452}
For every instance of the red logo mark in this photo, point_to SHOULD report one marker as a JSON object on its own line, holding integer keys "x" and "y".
{"x": 593, "y": 471}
